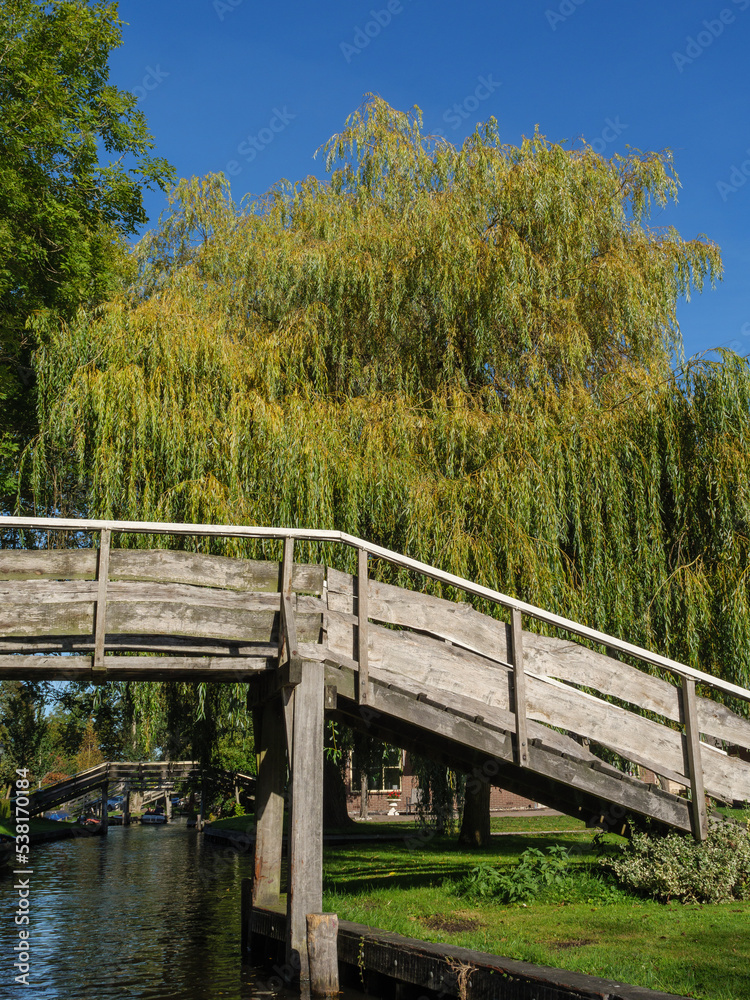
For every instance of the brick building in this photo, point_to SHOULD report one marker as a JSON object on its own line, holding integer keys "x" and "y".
{"x": 395, "y": 787}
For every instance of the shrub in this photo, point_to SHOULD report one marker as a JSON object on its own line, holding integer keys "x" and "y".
{"x": 535, "y": 874}
{"x": 677, "y": 867}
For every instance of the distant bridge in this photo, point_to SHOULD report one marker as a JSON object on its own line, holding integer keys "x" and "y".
{"x": 480, "y": 693}
{"x": 154, "y": 779}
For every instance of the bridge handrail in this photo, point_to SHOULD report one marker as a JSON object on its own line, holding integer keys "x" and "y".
{"x": 396, "y": 559}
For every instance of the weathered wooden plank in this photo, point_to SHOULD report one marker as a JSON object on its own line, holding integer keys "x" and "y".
{"x": 306, "y": 817}
{"x": 569, "y": 661}
{"x": 630, "y": 735}
{"x": 64, "y": 592}
{"x": 166, "y": 565}
{"x": 217, "y": 668}
{"x": 495, "y": 719}
{"x": 54, "y": 564}
{"x": 47, "y": 591}
{"x": 458, "y": 623}
{"x": 693, "y": 760}
{"x": 139, "y": 644}
{"x": 152, "y": 617}
{"x": 158, "y": 566}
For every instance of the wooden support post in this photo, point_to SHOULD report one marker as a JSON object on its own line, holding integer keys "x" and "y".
{"x": 99, "y": 671}
{"x": 322, "y": 951}
{"x": 126, "y": 810}
{"x": 362, "y": 626}
{"x": 694, "y": 764}
{"x": 269, "y": 804}
{"x": 103, "y": 814}
{"x": 519, "y": 688}
{"x": 306, "y": 820}
{"x": 168, "y": 807}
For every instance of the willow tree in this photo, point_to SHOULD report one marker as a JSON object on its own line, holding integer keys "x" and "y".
{"x": 464, "y": 354}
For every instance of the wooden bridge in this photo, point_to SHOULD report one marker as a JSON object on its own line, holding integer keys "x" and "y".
{"x": 139, "y": 776}
{"x": 502, "y": 702}
{"x": 151, "y": 779}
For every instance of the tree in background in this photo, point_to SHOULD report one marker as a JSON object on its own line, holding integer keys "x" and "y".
{"x": 23, "y": 729}
{"x": 89, "y": 753}
{"x": 463, "y": 354}
{"x": 64, "y": 211}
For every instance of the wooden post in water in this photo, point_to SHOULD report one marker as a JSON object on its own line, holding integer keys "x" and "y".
{"x": 103, "y": 814}
{"x": 126, "y": 809}
{"x": 269, "y": 803}
{"x": 168, "y": 806}
{"x": 306, "y": 818}
{"x": 322, "y": 951}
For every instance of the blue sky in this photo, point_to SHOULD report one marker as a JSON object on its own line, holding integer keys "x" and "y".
{"x": 253, "y": 90}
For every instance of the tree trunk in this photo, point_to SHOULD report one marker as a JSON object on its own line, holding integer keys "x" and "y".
{"x": 475, "y": 826}
{"x": 335, "y": 813}
{"x": 363, "y": 803}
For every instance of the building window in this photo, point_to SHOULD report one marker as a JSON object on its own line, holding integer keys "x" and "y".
{"x": 386, "y": 778}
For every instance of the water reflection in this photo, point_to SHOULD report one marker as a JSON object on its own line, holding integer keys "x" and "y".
{"x": 148, "y": 913}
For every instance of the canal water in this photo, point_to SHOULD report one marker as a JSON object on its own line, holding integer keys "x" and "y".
{"x": 145, "y": 913}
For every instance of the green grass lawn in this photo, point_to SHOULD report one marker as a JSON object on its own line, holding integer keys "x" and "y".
{"x": 36, "y": 825}
{"x": 409, "y": 888}
{"x": 528, "y": 821}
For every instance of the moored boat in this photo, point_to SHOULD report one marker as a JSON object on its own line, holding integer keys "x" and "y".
{"x": 154, "y": 817}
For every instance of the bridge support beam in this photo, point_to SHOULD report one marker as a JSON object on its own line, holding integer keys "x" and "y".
{"x": 269, "y": 802}
{"x": 126, "y": 809}
{"x": 306, "y": 816}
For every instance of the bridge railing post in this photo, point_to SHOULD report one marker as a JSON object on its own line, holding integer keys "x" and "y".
{"x": 519, "y": 687}
{"x": 362, "y": 626}
{"x": 693, "y": 761}
{"x": 287, "y": 628}
{"x": 100, "y": 613}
